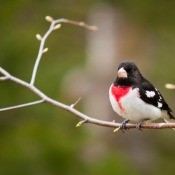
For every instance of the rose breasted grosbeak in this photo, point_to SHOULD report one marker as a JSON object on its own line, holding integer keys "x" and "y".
{"x": 135, "y": 98}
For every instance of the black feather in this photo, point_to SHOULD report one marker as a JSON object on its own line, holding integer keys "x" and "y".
{"x": 158, "y": 98}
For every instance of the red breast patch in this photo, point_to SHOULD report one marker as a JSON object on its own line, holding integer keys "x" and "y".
{"x": 118, "y": 92}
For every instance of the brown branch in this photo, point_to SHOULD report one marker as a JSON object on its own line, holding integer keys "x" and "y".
{"x": 85, "y": 118}
{"x": 44, "y": 98}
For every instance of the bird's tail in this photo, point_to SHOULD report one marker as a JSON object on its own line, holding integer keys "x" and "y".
{"x": 169, "y": 117}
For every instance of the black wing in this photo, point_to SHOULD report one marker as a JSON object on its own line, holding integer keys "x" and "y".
{"x": 157, "y": 100}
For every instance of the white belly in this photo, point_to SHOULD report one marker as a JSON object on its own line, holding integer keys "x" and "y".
{"x": 134, "y": 108}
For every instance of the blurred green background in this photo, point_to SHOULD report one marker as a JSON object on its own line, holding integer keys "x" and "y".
{"x": 43, "y": 139}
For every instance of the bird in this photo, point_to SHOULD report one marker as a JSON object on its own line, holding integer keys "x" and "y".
{"x": 135, "y": 99}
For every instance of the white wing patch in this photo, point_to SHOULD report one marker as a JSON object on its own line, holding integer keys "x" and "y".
{"x": 159, "y": 105}
{"x": 150, "y": 94}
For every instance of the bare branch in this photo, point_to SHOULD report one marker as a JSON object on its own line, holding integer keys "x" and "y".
{"x": 44, "y": 98}
{"x": 82, "y": 24}
{"x": 54, "y": 25}
{"x": 22, "y": 105}
{"x": 4, "y": 72}
{"x": 77, "y": 113}
{"x": 3, "y": 78}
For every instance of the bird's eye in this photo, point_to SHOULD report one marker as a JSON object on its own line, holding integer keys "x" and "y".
{"x": 132, "y": 71}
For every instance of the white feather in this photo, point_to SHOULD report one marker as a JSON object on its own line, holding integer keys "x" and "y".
{"x": 160, "y": 104}
{"x": 135, "y": 109}
{"x": 150, "y": 94}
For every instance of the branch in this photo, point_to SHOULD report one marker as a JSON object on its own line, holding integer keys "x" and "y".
{"x": 85, "y": 118}
{"x": 55, "y": 24}
{"x": 22, "y": 105}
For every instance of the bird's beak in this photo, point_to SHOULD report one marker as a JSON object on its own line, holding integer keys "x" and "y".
{"x": 122, "y": 73}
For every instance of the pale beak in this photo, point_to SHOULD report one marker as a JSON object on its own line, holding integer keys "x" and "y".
{"x": 122, "y": 73}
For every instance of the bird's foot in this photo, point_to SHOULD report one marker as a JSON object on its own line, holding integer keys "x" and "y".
{"x": 123, "y": 125}
{"x": 139, "y": 125}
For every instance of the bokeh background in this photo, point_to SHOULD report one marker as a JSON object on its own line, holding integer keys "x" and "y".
{"x": 43, "y": 139}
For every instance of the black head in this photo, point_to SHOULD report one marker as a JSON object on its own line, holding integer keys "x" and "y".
{"x": 128, "y": 74}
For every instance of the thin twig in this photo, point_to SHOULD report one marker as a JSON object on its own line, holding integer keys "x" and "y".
{"x": 3, "y": 78}
{"x": 43, "y": 39}
{"x": 40, "y": 53}
{"x": 81, "y": 24}
{"x": 74, "y": 104}
{"x": 22, "y": 105}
